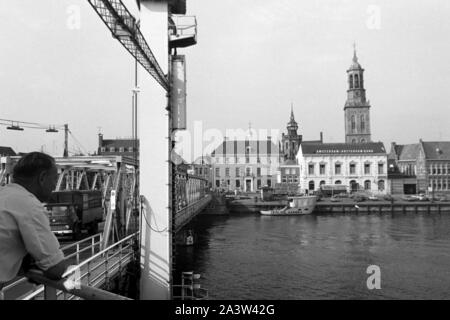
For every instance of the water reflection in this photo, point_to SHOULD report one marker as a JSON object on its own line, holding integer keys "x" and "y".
{"x": 248, "y": 256}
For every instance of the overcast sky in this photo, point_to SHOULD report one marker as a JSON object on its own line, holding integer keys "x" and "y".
{"x": 253, "y": 59}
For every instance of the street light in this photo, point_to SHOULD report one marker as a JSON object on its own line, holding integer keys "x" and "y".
{"x": 13, "y": 127}
{"x": 51, "y": 129}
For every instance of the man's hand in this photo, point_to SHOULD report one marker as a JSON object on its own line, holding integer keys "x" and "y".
{"x": 56, "y": 272}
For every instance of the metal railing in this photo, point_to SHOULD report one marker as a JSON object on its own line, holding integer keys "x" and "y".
{"x": 184, "y": 25}
{"x": 190, "y": 288}
{"x": 86, "y": 273}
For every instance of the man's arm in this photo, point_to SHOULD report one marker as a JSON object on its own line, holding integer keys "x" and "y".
{"x": 41, "y": 243}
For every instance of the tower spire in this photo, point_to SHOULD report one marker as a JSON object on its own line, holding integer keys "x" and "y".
{"x": 292, "y": 112}
{"x": 355, "y": 58}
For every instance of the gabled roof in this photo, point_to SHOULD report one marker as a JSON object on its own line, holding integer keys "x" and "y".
{"x": 437, "y": 150}
{"x": 343, "y": 148}
{"x": 409, "y": 151}
{"x": 6, "y": 151}
{"x": 239, "y": 146}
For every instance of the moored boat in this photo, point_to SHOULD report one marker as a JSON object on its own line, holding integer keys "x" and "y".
{"x": 299, "y": 205}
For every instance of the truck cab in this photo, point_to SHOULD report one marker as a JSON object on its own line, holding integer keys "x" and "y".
{"x": 72, "y": 212}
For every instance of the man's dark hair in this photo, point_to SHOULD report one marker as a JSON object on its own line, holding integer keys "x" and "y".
{"x": 32, "y": 164}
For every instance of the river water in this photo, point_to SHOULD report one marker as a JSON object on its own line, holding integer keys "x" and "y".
{"x": 249, "y": 256}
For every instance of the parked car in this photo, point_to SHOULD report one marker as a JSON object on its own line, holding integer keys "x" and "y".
{"x": 360, "y": 198}
{"x": 388, "y": 197}
{"x": 408, "y": 198}
{"x": 373, "y": 198}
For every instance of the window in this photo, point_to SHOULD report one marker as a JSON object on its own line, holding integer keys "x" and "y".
{"x": 228, "y": 183}
{"x": 311, "y": 185}
{"x": 337, "y": 168}
{"x": 217, "y": 183}
{"x": 322, "y": 182}
{"x": 269, "y": 182}
{"x": 217, "y": 172}
{"x": 434, "y": 170}
{"x": 248, "y": 171}
{"x": 439, "y": 170}
{"x": 247, "y": 159}
{"x": 380, "y": 168}
{"x": 367, "y": 185}
{"x": 200, "y": 171}
{"x": 351, "y": 81}
{"x": 238, "y": 183}
{"x": 353, "y": 123}
{"x": 238, "y": 172}
{"x": 381, "y": 185}
{"x": 311, "y": 169}
{"x": 363, "y": 124}
{"x": 363, "y": 140}
{"x": 353, "y": 140}
{"x": 112, "y": 149}
{"x": 322, "y": 169}
{"x": 130, "y": 149}
{"x": 356, "y": 81}
{"x": 366, "y": 168}
{"x": 258, "y": 160}
{"x": 102, "y": 149}
{"x": 352, "y": 168}
{"x": 338, "y": 182}
{"x": 258, "y": 183}
{"x": 227, "y": 172}
{"x": 121, "y": 149}
{"x": 283, "y": 180}
{"x": 258, "y": 172}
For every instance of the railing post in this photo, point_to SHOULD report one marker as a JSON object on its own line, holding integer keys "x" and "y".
{"x": 89, "y": 273}
{"x": 92, "y": 245}
{"x": 78, "y": 253}
{"x": 49, "y": 293}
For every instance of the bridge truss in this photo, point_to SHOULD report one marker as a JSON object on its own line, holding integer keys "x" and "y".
{"x": 114, "y": 176}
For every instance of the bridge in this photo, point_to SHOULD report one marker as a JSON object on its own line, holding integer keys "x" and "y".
{"x": 146, "y": 202}
{"x": 101, "y": 259}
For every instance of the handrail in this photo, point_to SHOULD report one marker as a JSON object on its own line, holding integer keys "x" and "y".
{"x": 102, "y": 252}
{"x": 81, "y": 241}
{"x": 113, "y": 267}
{"x": 83, "y": 291}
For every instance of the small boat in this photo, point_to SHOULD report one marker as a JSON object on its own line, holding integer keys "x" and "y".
{"x": 299, "y": 205}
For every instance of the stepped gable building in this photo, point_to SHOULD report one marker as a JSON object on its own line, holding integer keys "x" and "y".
{"x": 359, "y": 166}
{"x": 422, "y": 167}
{"x": 356, "y": 109}
{"x": 245, "y": 165}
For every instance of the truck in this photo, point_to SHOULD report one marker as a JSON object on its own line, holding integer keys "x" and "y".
{"x": 73, "y": 212}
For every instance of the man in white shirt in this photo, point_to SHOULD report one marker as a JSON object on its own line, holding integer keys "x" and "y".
{"x": 24, "y": 225}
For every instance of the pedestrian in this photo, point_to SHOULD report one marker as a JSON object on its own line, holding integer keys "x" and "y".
{"x": 26, "y": 239}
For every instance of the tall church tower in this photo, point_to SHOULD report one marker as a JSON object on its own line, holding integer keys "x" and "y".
{"x": 291, "y": 141}
{"x": 357, "y": 117}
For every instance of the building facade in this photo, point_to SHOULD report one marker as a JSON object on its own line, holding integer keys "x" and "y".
{"x": 356, "y": 109}
{"x": 245, "y": 165}
{"x": 359, "y": 166}
{"x": 117, "y": 147}
{"x": 422, "y": 167}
